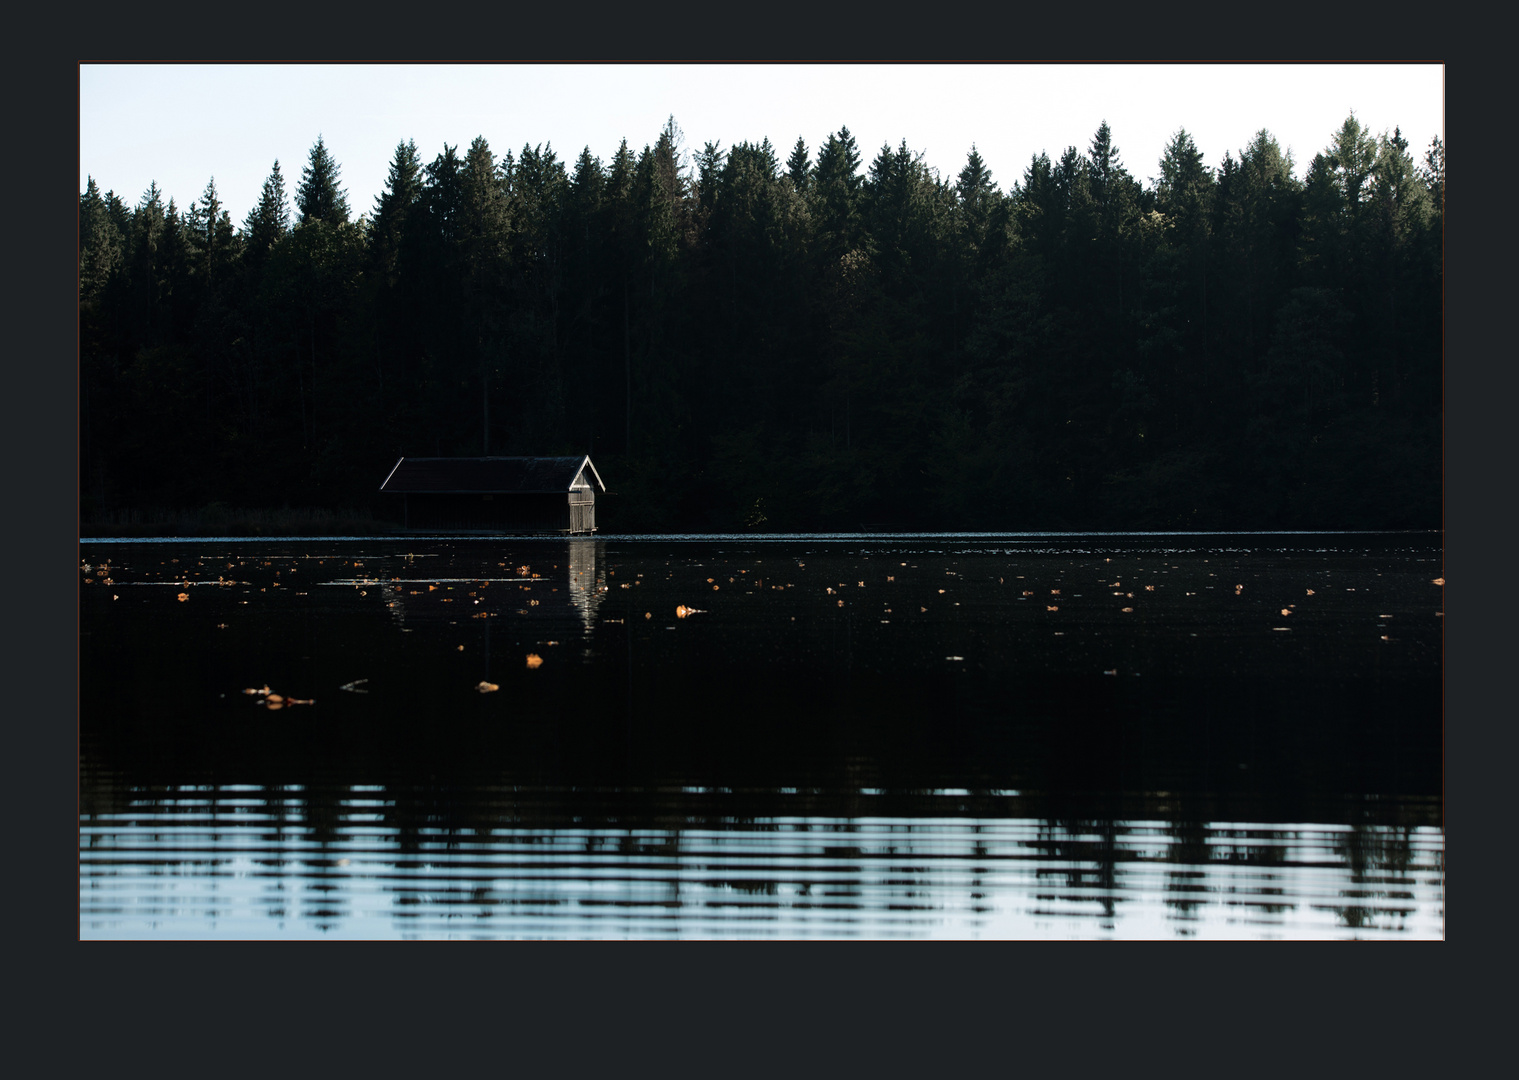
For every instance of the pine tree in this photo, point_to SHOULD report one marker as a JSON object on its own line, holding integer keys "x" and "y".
{"x": 270, "y": 219}
{"x": 100, "y": 244}
{"x": 393, "y": 210}
{"x": 799, "y": 166}
{"x": 977, "y": 196}
{"x": 838, "y": 184}
{"x": 319, "y": 198}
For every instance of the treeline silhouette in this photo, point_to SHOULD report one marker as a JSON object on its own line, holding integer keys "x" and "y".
{"x": 818, "y": 342}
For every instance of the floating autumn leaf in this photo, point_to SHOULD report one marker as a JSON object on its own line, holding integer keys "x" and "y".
{"x": 275, "y": 699}
{"x": 1149, "y": 588}
{"x": 259, "y": 690}
{"x": 1051, "y": 607}
{"x": 1054, "y": 592}
{"x": 1127, "y": 609}
{"x": 682, "y": 611}
{"x": 941, "y": 592}
{"x": 1310, "y": 592}
{"x": 1438, "y": 581}
{"x": 184, "y": 596}
{"x": 1028, "y": 592}
{"x": 1286, "y": 612}
{"x": 487, "y": 687}
{"x": 534, "y": 660}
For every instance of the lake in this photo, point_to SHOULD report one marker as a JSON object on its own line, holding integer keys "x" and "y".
{"x": 963, "y": 736}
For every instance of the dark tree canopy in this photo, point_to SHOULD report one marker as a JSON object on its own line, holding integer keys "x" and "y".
{"x": 809, "y": 343}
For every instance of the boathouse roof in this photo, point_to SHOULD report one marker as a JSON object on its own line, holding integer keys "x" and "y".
{"x": 491, "y": 475}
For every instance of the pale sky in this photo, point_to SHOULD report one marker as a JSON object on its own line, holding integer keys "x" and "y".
{"x": 181, "y": 124}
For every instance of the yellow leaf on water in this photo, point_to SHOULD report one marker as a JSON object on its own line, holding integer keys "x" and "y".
{"x": 1051, "y": 607}
{"x": 1438, "y": 581}
{"x": 1310, "y": 592}
{"x": 534, "y": 660}
{"x": 184, "y": 596}
{"x": 487, "y": 687}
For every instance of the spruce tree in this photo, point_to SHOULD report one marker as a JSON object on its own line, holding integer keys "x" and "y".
{"x": 319, "y": 198}
{"x": 799, "y": 165}
{"x": 270, "y": 219}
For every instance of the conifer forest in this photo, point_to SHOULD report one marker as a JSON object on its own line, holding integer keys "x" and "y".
{"x": 817, "y": 338}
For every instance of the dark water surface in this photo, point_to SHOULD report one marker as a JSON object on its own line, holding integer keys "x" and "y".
{"x": 1083, "y": 735}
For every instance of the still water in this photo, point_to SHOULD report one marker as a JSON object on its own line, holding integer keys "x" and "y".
{"x": 1083, "y": 735}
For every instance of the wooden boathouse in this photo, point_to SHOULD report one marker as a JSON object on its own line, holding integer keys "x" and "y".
{"x": 496, "y": 494}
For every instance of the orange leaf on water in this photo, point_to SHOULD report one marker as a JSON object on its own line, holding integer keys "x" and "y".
{"x": 486, "y": 687}
{"x": 1438, "y": 581}
{"x": 534, "y": 660}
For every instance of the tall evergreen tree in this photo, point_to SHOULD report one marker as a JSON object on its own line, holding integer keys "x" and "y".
{"x": 394, "y": 207}
{"x": 319, "y": 198}
{"x": 799, "y": 166}
{"x": 837, "y": 186}
{"x": 270, "y": 219}
{"x": 100, "y": 244}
